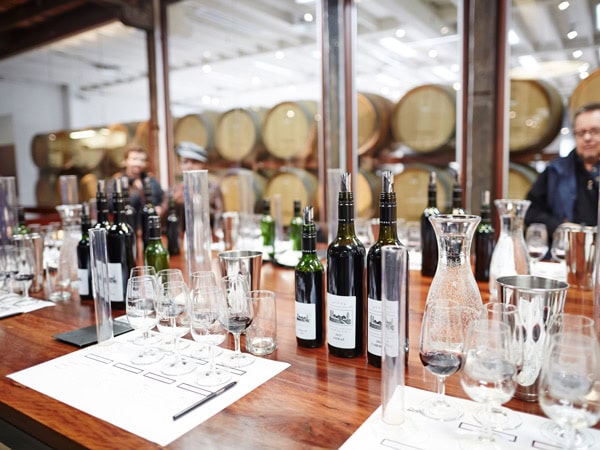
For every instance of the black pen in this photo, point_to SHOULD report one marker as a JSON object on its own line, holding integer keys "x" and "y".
{"x": 204, "y": 400}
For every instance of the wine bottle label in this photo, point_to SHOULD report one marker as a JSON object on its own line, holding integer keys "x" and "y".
{"x": 115, "y": 282}
{"x": 306, "y": 321}
{"x": 393, "y": 341}
{"x": 374, "y": 327}
{"x": 341, "y": 319}
{"x": 82, "y": 275}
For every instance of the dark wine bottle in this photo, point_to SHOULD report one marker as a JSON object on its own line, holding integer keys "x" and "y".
{"x": 310, "y": 331}
{"x": 84, "y": 272}
{"x": 22, "y": 228}
{"x": 173, "y": 229}
{"x": 388, "y": 235}
{"x": 345, "y": 281}
{"x": 119, "y": 248}
{"x": 457, "y": 206}
{"x": 156, "y": 254}
{"x": 128, "y": 209}
{"x": 295, "y": 229}
{"x": 147, "y": 210}
{"x": 102, "y": 206}
{"x": 485, "y": 240}
{"x": 267, "y": 229}
{"x": 429, "y": 249}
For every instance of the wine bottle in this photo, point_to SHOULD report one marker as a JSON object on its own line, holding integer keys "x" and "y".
{"x": 102, "y": 220}
{"x": 485, "y": 240}
{"x": 173, "y": 229}
{"x": 128, "y": 209}
{"x": 295, "y": 229}
{"x": 388, "y": 235}
{"x": 457, "y": 207}
{"x": 156, "y": 254}
{"x": 267, "y": 229}
{"x": 310, "y": 331}
{"x": 84, "y": 272}
{"x": 119, "y": 249}
{"x": 22, "y": 228}
{"x": 147, "y": 210}
{"x": 429, "y": 249}
{"x": 345, "y": 280}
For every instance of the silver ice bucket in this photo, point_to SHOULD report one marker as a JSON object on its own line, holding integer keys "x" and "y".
{"x": 244, "y": 262}
{"x": 538, "y": 301}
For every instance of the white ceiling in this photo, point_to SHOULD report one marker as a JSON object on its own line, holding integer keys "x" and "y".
{"x": 224, "y": 54}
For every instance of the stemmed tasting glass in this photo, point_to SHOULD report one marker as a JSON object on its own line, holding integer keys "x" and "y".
{"x": 165, "y": 276}
{"x": 558, "y": 244}
{"x": 172, "y": 310}
{"x": 206, "y": 329}
{"x": 139, "y": 271}
{"x": 141, "y": 314}
{"x": 536, "y": 239}
{"x": 200, "y": 280}
{"x": 570, "y": 384}
{"x": 488, "y": 376}
{"x": 572, "y": 324}
{"x": 9, "y": 268}
{"x": 441, "y": 346}
{"x": 236, "y": 314}
{"x": 25, "y": 270}
{"x": 498, "y": 416}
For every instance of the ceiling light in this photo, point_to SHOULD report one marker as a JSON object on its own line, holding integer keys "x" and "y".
{"x": 206, "y": 99}
{"x": 444, "y": 30}
{"x": 583, "y": 75}
{"x": 563, "y": 5}
{"x": 308, "y": 17}
{"x": 564, "y": 130}
{"x": 456, "y": 86}
{"x": 206, "y": 68}
{"x": 395, "y": 45}
{"x": 279, "y": 54}
{"x": 577, "y": 54}
{"x": 400, "y": 33}
{"x": 513, "y": 38}
{"x": 572, "y": 34}
{"x": 432, "y": 53}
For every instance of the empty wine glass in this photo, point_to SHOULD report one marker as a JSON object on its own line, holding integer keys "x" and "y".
{"x": 536, "y": 239}
{"x": 200, "y": 280}
{"x": 236, "y": 315}
{"x": 25, "y": 270}
{"x": 570, "y": 384}
{"x": 206, "y": 329}
{"x": 141, "y": 314}
{"x": 9, "y": 269}
{"x": 139, "y": 271}
{"x": 165, "y": 276}
{"x": 488, "y": 376}
{"x": 558, "y": 249}
{"x": 498, "y": 416}
{"x": 173, "y": 320}
{"x": 441, "y": 346}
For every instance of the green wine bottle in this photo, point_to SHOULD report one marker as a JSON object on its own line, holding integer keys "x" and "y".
{"x": 295, "y": 229}
{"x": 267, "y": 229}
{"x": 310, "y": 331}
{"x": 155, "y": 255}
{"x": 22, "y": 228}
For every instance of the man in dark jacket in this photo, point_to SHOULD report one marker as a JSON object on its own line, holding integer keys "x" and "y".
{"x": 567, "y": 191}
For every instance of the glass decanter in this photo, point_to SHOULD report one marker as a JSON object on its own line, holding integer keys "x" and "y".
{"x": 510, "y": 256}
{"x": 454, "y": 279}
{"x": 70, "y": 216}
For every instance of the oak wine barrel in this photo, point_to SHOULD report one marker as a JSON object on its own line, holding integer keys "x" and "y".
{"x": 587, "y": 91}
{"x": 520, "y": 179}
{"x": 231, "y": 188}
{"x": 368, "y": 187}
{"x": 290, "y": 129}
{"x": 293, "y": 184}
{"x": 238, "y": 134}
{"x": 373, "y": 113}
{"x": 199, "y": 129}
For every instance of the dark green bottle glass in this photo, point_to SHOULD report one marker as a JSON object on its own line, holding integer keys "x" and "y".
{"x": 345, "y": 281}
{"x": 22, "y": 228}
{"x": 147, "y": 210}
{"x": 429, "y": 248}
{"x": 457, "y": 206}
{"x": 267, "y": 229}
{"x": 173, "y": 229}
{"x": 155, "y": 255}
{"x": 295, "y": 229}
{"x": 310, "y": 331}
{"x": 102, "y": 206}
{"x": 485, "y": 241}
{"x": 84, "y": 272}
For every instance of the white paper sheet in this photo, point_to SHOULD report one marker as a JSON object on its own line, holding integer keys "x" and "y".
{"x": 101, "y": 381}
{"x": 420, "y": 432}
{"x": 9, "y": 306}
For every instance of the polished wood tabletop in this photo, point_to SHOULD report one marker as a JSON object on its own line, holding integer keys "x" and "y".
{"x": 318, "y": 402}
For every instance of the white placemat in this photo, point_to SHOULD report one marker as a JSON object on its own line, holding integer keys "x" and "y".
{"x": 9, "y": 306}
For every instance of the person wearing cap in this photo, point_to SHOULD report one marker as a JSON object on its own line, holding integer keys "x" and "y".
{"x": 194, "y": 157}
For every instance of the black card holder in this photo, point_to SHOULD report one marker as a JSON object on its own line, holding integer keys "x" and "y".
{"x": 83, "y": 337}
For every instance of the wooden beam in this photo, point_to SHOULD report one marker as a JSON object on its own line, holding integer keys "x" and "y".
{"x": 26, "y": 13}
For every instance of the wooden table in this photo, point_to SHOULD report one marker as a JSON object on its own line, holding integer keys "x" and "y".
{"x": 319, "y": 401}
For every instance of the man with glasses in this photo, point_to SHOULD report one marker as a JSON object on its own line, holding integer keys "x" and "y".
{"x": 567, "y": 191}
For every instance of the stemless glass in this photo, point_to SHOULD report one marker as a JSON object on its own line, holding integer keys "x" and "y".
{"x": 206, "y": 329}
{"x": 441, "y": 346}
{"x": 25, "y": 270}
{"x": 141, "y": 314}
{"x": 173, "y": 320}
{"x": 488, "y": 376}
{"x": 235, "y": 314}
{"x": 570, "y": 384}
{"x": 536, "y": 239}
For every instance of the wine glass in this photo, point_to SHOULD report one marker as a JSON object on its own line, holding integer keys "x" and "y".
{"x": 536, "y": 239}
{"x": 488, "y": 376}
{"x": 200, "y": 280}
{"x": 141, "y": 314}
{"x": 557, "y": 250}
{"x": 139, "y": 271}
{"x": 165, "y": 276}
{"x": 570, "y": 384}
{"x": 498, "y": 416}
{"x": 25, "y": 270}
{"x": 206, "y": 329}
{"x": 9, "y": 268}
{"x": 441, "y": 346}
{"x": 236, "y": 315}
{"x": 173, "y": 320}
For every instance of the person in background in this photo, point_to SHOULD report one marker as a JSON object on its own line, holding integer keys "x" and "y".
{"x": 136, "y": 160}
{"x": 194, "y": 157}
{"x": 566, "y": 192}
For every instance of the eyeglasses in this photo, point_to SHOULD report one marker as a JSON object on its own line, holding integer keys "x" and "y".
{"x": 593, "y": 132}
